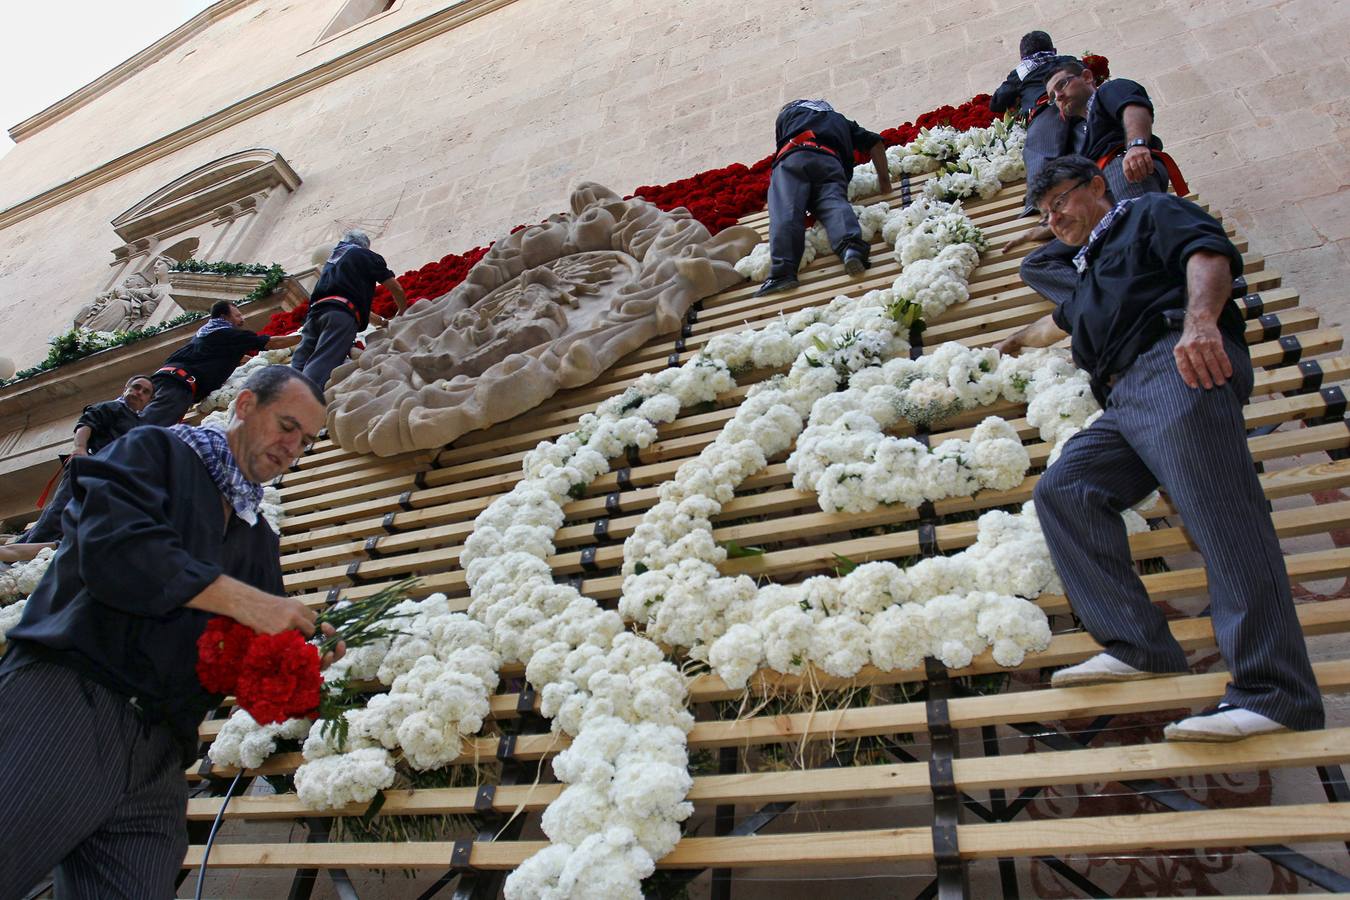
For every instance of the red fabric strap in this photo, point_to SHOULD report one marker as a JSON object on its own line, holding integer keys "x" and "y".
{"x": 1173, "y": 170}
{"x": 181, "y": 374}
{"x": 343, "y": 300}
{"x": 805, "y": 139}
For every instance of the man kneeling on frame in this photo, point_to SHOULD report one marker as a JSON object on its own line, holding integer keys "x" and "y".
{"x": 1152, "y": 324}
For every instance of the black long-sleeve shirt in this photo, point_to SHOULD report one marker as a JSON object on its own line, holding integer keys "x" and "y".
{"x": 1104, "y": 127}
{"x": 1135, "y": 283}
{"x": 1022, "y": 94}
{"x": 107, "y": 421}
{"x": 834, "y": 130}
{"x": 146, "y": 532}
{"x": 353, "y": 277}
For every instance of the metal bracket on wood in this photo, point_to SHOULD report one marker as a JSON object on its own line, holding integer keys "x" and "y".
{"x": 1293, "y": 350}
{"x": 1270, "y": 327}
{"x": 952, "y": 881}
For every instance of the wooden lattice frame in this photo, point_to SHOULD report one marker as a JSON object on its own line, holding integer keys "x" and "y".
{"x": 356, "y": 523}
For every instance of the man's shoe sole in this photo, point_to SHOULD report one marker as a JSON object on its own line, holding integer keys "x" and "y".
{"x": 1172, "y": 733}
{"x": 1103, "y": 678}
{"x": 854, "y": 267}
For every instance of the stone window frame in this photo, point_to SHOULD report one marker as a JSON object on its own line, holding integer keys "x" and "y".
{"x": 331, "y": 31}
{"x": 236, "y": 196}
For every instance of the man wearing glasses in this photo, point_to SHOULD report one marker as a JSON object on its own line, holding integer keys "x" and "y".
{"x": 1111, "y": 123}
{"x": 1152, "y": 323}
{"x": 163, "y": 531}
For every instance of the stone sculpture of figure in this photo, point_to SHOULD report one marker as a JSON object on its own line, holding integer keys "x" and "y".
{"x": 130, "y": 305}
{"x": 549, "y": 307}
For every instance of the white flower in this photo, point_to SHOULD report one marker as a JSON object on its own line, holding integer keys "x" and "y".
{"x": 335, "y": 781}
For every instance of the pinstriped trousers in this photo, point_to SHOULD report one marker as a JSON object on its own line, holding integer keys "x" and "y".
{"x": 1193, "y": 442}
{"x": 86, "y": 789}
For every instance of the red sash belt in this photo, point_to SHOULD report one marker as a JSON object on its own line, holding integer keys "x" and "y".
{"x": 805, "y": 139}
{"x": 182, "y": 375}
{"x": 1173, "y": 170}
{"x": 46, "y": 492}
{"x": 343, "y": 300}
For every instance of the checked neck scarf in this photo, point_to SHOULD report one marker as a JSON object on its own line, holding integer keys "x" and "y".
{"x": 1081, "y": 259}
{"x": 211, "y": 446}
{"x": 213, "y": 325}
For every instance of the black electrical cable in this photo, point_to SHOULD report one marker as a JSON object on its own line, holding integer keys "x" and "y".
{"x": 211, "y": 838}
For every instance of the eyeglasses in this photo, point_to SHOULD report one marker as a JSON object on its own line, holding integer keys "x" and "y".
{"x": 1057, "y": 205}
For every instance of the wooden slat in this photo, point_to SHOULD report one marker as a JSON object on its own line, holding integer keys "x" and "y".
{"x": 1097, "y": 834}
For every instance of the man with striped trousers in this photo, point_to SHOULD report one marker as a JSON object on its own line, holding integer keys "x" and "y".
{"x": 1152, "y": 323}
{"x": 99, "y": 698}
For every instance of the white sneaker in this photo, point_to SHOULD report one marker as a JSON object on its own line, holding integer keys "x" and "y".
{"x": 1100, "y": 669}
{"x": 1222, "y": 725}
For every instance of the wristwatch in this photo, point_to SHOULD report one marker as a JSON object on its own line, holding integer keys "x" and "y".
{"x": 1137, "y": 142}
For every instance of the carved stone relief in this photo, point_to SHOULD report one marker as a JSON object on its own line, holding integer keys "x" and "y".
{"x": 550, "y": 307}
{"x": 129, "y": 306}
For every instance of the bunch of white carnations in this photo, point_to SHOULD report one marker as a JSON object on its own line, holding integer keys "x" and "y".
{"x": 986, "y": 158}
{"x": 21, "y": 577}
{"x": 846, "y": 457}
{"x": 16, "y": 583}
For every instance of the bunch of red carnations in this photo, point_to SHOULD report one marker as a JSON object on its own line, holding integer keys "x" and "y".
{"x": 276, "y": 677}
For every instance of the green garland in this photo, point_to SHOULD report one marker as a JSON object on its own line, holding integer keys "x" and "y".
{"x": 77, "y": 343}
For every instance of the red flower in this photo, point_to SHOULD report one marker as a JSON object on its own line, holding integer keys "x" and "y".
{"x": 279, "y": 678}
{"x": 1099, "y": 65}
{"x": 220, "y": 650}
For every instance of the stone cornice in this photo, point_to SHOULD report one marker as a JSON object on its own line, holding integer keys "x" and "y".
{"x": 124, "y": 70}
{"x": 352, "y": 61}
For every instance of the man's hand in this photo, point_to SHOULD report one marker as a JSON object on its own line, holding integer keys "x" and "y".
{"x": 79, "y": 451}
{"x": 1201, "y": 357}
{"x": 259, "y": 610}
{"x": 378, "y": 320}
{"x": 1138, "y": 164}
{"x": 1031, "y": 235}
{"x": 337, "y": 652}
{"x": 270, "y": 614}
{"x": 1009, "y": 346}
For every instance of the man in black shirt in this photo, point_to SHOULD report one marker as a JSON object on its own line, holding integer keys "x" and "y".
{"x": 1024, "y": 92}
{"x": 98, "y": 426}
{"x": 1112, "y": 124}
{"x": 99, "y": 697}
{"x": 811, "y": 173}
{"x": 1153, "y": 324}
{"x": 339, "y": 306}
{"x": 206, "y": 362}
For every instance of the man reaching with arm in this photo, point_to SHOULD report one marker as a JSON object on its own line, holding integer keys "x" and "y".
{"x": 98, "y": 426}
{"x": 205, "y": 363}
{"x": 1152, "y": 324}
{"x": 339, "y": 307}
{"x": 811, "y": 172}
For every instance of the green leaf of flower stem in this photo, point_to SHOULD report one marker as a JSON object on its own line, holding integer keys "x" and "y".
{"x": 843, "y": 565}
{"x": 736, "y": 551}
{"x": 78, "y": 343}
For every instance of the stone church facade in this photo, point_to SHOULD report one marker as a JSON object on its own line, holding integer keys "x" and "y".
{"x": 258, "y": 129}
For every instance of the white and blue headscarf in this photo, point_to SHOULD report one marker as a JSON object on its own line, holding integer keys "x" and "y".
{"x": 213, "y": 449}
